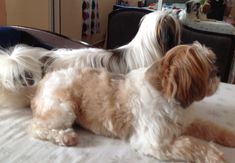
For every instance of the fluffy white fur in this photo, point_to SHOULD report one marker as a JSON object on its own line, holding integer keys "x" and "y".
{"x": 21, "y": 70}
{"x": 158, "y": 33}
{"x": 149, "y": 106}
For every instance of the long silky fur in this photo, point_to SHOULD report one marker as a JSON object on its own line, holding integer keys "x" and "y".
{"x": 24, "y": 66}
{"x": 157, "y": 33}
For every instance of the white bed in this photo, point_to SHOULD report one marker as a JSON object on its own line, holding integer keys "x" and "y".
{"x": 17, "y": 146}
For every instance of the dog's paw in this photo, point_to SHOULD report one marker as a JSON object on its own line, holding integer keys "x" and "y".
{"x": 67, "y": 138}
{"x": 70, "y": 139}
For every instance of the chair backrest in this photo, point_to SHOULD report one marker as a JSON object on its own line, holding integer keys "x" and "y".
{"x": 222, "y": 45}
{"x": 12, "y": 35}
{"x": 123, "y": 24}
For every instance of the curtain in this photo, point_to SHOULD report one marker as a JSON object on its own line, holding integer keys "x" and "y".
{"x": 2, "y": 12}
{"x": 90, "y": 14}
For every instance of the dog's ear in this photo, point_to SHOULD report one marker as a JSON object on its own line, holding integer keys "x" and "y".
{"x": 159, "y": 76}
{"x": 188, "y": 5}
{"x": 168, "y": 36}
{"x": 184, "y": 75}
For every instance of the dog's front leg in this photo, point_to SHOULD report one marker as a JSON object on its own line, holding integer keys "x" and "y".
{"x": 185, "y": 148}
{"x": 170, "y": 146}
{"x": 191, "y": 149}
{"x": 211, "y": 132}
{"x": 54, "y": 124}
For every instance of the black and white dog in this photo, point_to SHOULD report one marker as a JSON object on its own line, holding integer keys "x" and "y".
{"x": 22, "y": 67}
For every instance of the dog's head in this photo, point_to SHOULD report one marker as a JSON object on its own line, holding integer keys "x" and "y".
{"x": 159, "y": 31}
{"x": 192, "y": 6}
{"x": 187, "y": 73}
{"x": 195, "y": 10}
{"x": 168, "y": 32}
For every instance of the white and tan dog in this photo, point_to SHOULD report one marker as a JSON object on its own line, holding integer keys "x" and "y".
{"x": 149, "y": 106}
{"x": 24, "y": 66}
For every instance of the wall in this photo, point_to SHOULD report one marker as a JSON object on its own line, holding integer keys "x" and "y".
{"x": 133, "y": 2}
{"x": 2, "y": 12}
{"x": 36, "y": 13}
{"x": 71, "y": 18}
{"x": 31, "y": 13}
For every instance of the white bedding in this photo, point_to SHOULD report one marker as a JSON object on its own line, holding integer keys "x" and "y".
{"x": 17, "y": 146}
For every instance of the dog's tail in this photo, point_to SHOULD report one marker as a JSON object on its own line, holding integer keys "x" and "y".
{"x": 20, "y": 67}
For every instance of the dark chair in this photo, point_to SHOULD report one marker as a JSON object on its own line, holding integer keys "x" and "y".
{"x": 124, "y": 22}
{"x": 223, "y": 45}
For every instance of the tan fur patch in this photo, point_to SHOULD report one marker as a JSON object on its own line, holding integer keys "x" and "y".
{"x": 100, "y": 93}
{"x": 96, "y": 92}
{"x": 211, "y": 132}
